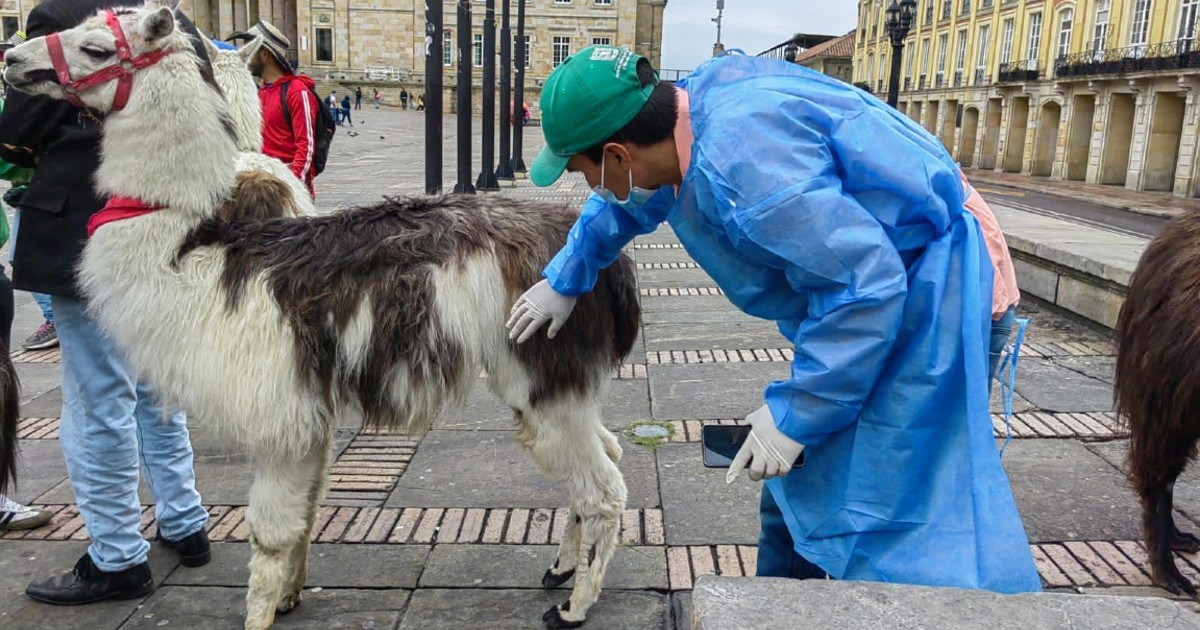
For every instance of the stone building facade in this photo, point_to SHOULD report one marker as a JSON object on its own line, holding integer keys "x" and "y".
{"x": 381, "y": 43}
{"x": 1101, "y": 91}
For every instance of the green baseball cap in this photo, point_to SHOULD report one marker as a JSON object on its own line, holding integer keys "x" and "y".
{"x": 588, "y": 98}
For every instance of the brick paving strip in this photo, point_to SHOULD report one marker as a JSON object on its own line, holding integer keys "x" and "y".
{"x": 1095, "y": 426}
{"x": 38, "y": 429}
{"x": 657, "y": 246}
{"x": 670, "y": 265}
{"x": 760, "y": 355}
{"x": 52, "y": 355}
{"x": 681, "y": 292}
{"x": 368, "y": 469}
{"x": 1062, "y": 565}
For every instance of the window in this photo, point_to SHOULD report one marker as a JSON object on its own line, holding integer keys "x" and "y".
{"x": 447, "y": 48}
{"x": 477, "y": 49}
{"x": 562, "y": 1}
{"x": 940, "y": 70}
{"x": 1187, "y": 19}
{"x": 1141, "y": 26}
{"x": 1006, "y": 43}
{"x": 1035, "y": 39}
{"x": 961, "y": 58}
{"x": 324, "y": 44}
{"x": 908, "y": 72}
{"x": 604, "y": 3}
{"x": 515, "y": 44}
{"x": 11, "y": 26}
{"x": 966, "y": 7}
{"x": 602, "y": 41}
{"x": 1100, "y": 32}
{"x": 981, "y": 60}
{"x": 870, "y": 68}
{"x": 928, "y": 52}
{"x": 561, "y": 49}
{"x": 1065, "y": 20}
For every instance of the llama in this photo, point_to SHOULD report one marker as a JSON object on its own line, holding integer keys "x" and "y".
{"x": 1157, "y": 387}
{"x": 10, "y": 402}
{"x": 245, "y": 110}
{"x": 271, "y": 327}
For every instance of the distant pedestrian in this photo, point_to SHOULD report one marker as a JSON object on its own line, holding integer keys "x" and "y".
{"x": 332, "y": 103}
{"x": 376, "y": 99}
{"x": 358, "y": 97}
{"x": 421, "y": 102}
{"x": 346, "y": 109}
{"x": 403, "y": 98}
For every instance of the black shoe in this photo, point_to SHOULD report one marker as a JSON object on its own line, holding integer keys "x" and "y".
{"x": 193, "y": 550}
{"x": 86, "y": 584}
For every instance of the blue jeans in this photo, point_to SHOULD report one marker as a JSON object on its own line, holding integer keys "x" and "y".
{"x": 1001, "y": 329}
{"x": 43, "y": 301}
{"x": 777, "y": 556}
{"x": 110, "y": 422}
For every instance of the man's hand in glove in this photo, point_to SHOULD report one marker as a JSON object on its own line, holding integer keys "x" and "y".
{"x": 538, "y": 305}
{"x": 769, "y": 452}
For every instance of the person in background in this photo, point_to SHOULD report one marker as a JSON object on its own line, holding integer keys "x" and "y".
{"x": 346, "y": 109}
{"x": 290, "y": 138}
{"x": 403, "y": 99}
{"x": 358, "y": 97}
{"x": 377, "y": 98}
{"x": 45, "y": 336}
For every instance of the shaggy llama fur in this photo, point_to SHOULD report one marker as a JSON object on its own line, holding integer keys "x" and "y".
{"x": 270, "y": 327}
{"x": 1157, "y": 386}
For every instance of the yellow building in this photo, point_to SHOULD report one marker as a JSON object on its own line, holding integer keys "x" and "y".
{"x": 1100, "y": 91}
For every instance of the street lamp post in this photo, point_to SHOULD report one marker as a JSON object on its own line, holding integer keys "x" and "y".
{"x": 899, "y": 21}
{"x": 717, "y": 20}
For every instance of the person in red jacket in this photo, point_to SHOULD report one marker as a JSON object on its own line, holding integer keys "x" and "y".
{"x": 288, "y": 136}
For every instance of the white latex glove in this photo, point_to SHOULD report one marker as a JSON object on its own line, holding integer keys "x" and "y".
{"x": 769, "y": 452}
{"x": 540, "y": 304}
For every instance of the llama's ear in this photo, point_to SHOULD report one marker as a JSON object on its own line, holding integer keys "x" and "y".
{"x": 209, "y": 47}
{"x": 251, "y": 48}
{"x": 158, "y": 24}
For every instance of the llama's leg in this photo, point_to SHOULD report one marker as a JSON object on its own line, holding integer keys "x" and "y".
{"x": 1158, "y": 527}
{"x": 568, "y": 553}
{"x": 299, "y": 557}
{"x": 566, "y": 442}
{"x": 1183, "y": 541}
{"x": 279, "y": 523}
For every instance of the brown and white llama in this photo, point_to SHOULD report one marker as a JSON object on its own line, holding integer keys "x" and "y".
{"x": 232, "y": 74}
{"x": 269, "y": 329}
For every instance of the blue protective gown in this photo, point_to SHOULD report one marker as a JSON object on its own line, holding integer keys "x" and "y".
{"x": 815, "y": 205}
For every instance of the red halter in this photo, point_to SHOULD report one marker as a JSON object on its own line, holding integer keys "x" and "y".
{"x": 121, "y": 71}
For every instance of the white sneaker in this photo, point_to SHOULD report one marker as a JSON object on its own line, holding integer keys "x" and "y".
{"x": 14, "y": 516}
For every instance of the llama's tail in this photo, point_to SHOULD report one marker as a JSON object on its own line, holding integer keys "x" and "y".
{"x": 9, "y": 411}
{"x": 627, "y": 311}
{"x": 258, "y": 196}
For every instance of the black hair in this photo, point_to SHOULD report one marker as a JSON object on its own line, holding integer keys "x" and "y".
{"x": 653, "y": 124}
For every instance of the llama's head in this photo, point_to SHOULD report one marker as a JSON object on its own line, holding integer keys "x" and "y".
{"x": 93, "y": 64}
{"x": 232, "y": 72}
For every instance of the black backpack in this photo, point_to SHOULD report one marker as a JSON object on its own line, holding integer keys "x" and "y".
{"x": 325, "y": 127}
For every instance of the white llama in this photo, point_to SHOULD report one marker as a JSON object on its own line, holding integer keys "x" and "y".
{"x": 270, "y": 328}
{"x": 245, "y": 110}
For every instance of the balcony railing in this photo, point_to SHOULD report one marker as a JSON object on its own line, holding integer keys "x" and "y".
{"x": 879, "y": 86}
{"x": 921, "y": 82}
{"x": 1015, "y": 71}
{"x": 966, "y": 7}
{"x": 907, "y": 84}
{"x": 939, "y": 80}
{"x": 980, "y": 79}
{"x": 929, "y": 12}
{"x": 986, "y": 4}
{"x": 958, "y": 78}
{"x": 946, "y": 9}
{"x": 1174, "y": 55}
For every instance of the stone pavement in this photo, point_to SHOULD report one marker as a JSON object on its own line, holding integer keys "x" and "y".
{"x": 458, "y": 529}
{"x": 1159, "y": 204}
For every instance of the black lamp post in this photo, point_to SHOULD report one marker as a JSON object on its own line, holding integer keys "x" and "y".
{"x": 899, "y": 21}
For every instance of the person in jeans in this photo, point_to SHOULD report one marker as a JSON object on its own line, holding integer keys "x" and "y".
{"x": 346, "y": 109}
{"x": 358, "y": 97}
{"x": 45, "y": 336}
{"x": 112, "y": 424}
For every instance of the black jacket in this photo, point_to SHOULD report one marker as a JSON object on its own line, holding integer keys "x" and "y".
{"x": 51, "y": 136}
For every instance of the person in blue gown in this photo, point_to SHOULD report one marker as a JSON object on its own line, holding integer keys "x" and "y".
{"x": 814, "y": 205}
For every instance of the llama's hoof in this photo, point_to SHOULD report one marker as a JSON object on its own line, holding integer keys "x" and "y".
{"x": 554, "y": 620}
{"x": 287, "y": 604}
{"x": 1173, "y": 581}
{"x": 551, "y": 580}
{"x": 1183, "y": 541}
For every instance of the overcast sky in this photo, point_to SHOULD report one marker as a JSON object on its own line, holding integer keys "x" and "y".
{"x": 752, "y": 25}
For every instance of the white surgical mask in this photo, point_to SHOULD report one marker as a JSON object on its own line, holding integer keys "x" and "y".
{"x": 637, "y": 196}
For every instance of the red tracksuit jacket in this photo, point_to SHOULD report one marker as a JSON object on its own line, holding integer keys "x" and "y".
{"x": 293, "y": 144}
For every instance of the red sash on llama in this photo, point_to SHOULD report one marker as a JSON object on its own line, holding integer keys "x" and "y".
{"x": 119, "y": 208}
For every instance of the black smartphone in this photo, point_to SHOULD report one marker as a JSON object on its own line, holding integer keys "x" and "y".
{"x": 721, "y": 444}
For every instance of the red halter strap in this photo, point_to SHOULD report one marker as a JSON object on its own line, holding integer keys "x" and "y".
{"x": 122, "y": 71}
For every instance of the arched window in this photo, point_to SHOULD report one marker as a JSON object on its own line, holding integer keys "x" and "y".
{"x": 447, "y": 48}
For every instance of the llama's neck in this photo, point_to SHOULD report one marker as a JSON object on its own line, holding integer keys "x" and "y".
{"x": 172, "y": 144}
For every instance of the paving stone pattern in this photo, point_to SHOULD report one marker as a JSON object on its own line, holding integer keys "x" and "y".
{"x": 457, "y": 527}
